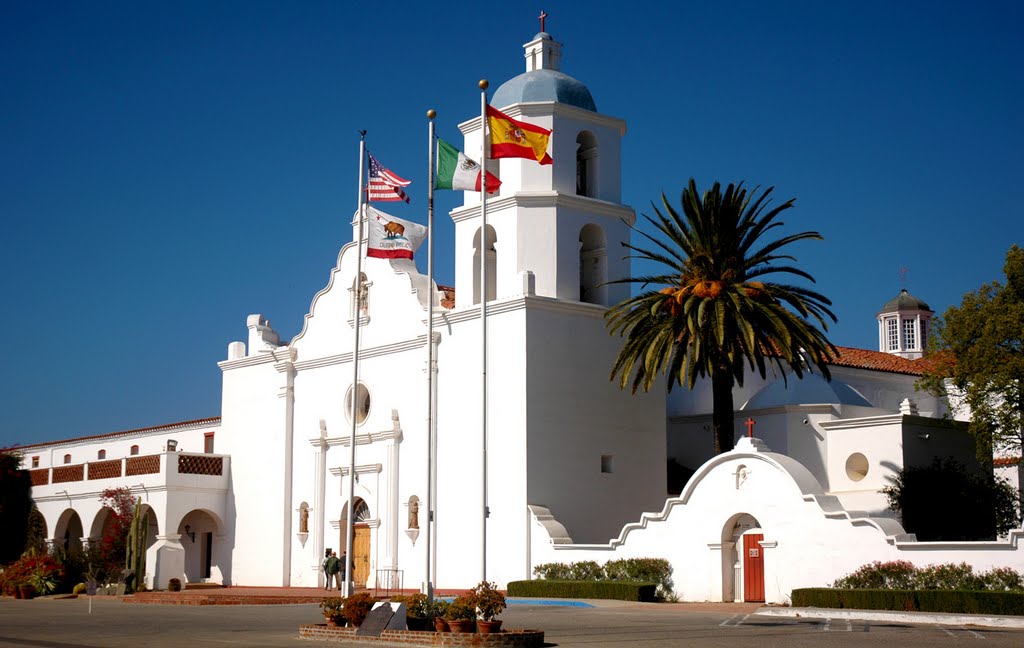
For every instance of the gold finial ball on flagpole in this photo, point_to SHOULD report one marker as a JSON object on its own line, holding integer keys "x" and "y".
{"x": 483, "y": 84}
{"x": 431, "y": 114}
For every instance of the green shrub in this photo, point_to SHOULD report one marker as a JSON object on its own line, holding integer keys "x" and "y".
{"x": 654, "y": 570}
{"x": 602, "y": 589}
{"x": 585, "y": 570}
{"x": 553, "y": 571}
{"x": 1002, "y": 579}
{"x": 948, "y": 577}
{"x": 1002, "y": 603}
{"x": 898, "y": 574}
{"x": 80, "y": 588}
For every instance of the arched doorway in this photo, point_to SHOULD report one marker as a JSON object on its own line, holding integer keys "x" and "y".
{"x": 68, "y": 532}
{"x": 360, "y": 540}
{"x": 742, "y": 559}
{"x": 197, "y": 530}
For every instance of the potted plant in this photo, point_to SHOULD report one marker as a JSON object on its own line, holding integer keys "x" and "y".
{"x": 356, "y": 607}
{"x": 331, "y": 607}
{"x": 462, "y": 613}
{"x": 438, "y": 610}
{"x": 489, "y": 604}
{"x": 417, "y": 612}
{"x": 174, "y": 585}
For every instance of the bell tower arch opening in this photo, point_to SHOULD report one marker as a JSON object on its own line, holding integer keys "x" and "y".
{"x": 593, "y": 265}
{"x": 586, "y": 165}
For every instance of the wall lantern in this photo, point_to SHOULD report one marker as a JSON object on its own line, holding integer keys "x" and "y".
{"x": 172, "y": 445}
{"x": 191, "y": 534}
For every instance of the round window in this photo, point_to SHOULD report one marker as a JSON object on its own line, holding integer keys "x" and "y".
{"x": 857, "y": 466}
{"x": 362, "y": 403}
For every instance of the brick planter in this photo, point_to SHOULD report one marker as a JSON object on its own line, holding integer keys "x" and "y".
{"x": 511, "y": 638}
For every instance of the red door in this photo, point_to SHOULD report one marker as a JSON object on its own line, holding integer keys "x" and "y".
{"x": 753, "y": 568}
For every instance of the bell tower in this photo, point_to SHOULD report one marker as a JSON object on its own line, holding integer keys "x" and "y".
{"x": 552, "y": 230}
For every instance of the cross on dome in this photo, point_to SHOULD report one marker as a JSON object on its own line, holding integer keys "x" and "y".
{"x": 542, "y": 16}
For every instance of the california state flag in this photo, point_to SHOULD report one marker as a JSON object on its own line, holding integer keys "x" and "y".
{"x": 456, "y": 171}
{"x": 390, "y": 237}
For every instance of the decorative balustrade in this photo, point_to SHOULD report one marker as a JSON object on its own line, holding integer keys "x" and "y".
{"x": 186, "y": 464}
{"x": 63, "y": 474}
{"x": 104, "y": 469}
{"x": 145, "y": 465}
{"x": 189, "y": 464}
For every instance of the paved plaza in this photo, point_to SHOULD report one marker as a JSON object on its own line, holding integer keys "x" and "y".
{"x": 49, "y": 623}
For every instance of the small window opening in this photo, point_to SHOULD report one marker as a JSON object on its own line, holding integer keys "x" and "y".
{"x": 67, "y": 458}
{"x": 134, "y": 450}
{"x": 101, "y": 455}
{"x": 607, "y": 463}
{"x": 208, "y": 443}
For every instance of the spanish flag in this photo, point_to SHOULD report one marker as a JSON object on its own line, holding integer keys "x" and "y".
{"x": 515, "y": 139}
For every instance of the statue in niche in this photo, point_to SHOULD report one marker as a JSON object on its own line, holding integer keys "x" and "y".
{"x": 304, "y": 520}
{"x": 414, "y": 513}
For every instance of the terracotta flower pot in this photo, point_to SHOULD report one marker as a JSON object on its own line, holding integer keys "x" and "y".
{"x": 488, "y": 627}
{"x": 26, "y": 591}
{"x": 441, "y": 625}
{"x": 460, "y": 626}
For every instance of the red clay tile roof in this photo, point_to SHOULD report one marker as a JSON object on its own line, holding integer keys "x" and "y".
{"x": 447, "y": 296}
{"x": 877, "y": 361}
{"x": 213, "y": 420}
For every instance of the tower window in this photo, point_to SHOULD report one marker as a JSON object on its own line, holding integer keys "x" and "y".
{"x": 892, "y": 334}
{"x": 586, "y": 164}
{"x": 607, "y": 463}
{"x": 909, "y": 339}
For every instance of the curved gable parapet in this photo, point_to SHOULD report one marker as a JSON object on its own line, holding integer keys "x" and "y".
{"x": 751, "y": 453}
{"x": 385, "y": 295}
{"x": 326, "y": 289}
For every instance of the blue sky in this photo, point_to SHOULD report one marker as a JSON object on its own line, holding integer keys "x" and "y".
{"x": 168, "y": 168}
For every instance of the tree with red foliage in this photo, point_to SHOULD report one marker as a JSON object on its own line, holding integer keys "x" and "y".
{"x": 113, "y": 544}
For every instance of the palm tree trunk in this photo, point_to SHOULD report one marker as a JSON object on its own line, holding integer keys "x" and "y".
{"x": 723, "y": 416}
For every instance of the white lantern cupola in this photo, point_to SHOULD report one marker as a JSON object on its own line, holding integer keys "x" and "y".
{"x": 903, "y": 326}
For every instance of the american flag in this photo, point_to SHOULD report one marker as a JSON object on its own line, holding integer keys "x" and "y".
{"x": 384, "y": 186}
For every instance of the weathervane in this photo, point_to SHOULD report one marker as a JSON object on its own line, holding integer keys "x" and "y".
{"x": 902, "y": 272}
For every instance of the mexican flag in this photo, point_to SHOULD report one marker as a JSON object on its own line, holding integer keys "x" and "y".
{"x": 456, "y": 171}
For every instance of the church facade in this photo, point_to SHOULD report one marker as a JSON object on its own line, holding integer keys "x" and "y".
{"x": 569, "y": 464}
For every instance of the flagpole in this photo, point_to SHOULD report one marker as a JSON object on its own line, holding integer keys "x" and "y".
{"x": 350, "y": 518}
{"x": 483, "y": 318}
{"x": 431, "y": 442}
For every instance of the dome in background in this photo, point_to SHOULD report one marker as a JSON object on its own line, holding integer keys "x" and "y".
{"x": 812, "y": 389}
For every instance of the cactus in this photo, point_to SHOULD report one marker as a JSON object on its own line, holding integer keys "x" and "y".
{"x": 135, "y": 556}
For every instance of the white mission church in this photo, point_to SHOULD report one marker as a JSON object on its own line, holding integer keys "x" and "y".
{"x": 575, "y": 468}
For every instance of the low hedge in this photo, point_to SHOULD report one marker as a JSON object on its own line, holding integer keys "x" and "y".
{"x": 954, "y": 601}
{"x": 602, "y": 589}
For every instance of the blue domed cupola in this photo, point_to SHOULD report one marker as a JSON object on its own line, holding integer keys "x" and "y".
{"x": 543, "y": 81}
{"x": 550, "y": 227}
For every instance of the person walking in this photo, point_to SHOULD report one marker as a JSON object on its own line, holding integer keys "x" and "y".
{"x": 327, "y": 573}
{"x": 333, "y": 567}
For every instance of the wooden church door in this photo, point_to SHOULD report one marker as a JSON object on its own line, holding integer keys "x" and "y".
{"x": 753, "y": 568}
{"x": 361, "y": 554}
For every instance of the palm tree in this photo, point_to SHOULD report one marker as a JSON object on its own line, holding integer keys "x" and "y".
{"x": 716, "y": 315}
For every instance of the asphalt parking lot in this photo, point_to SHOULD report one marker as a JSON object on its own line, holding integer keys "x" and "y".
{"x": 48, "y": 623}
